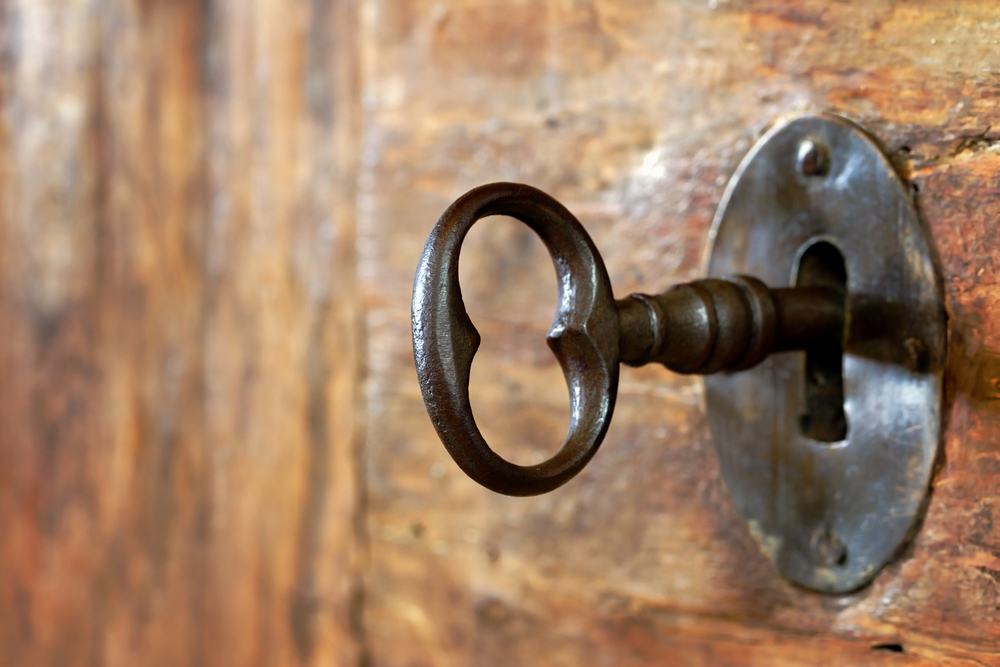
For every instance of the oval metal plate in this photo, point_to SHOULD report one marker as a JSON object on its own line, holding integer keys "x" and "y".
{"x": 865, "y": 493}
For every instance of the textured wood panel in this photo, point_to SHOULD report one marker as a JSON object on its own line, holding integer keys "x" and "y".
{"x": 179, "y": 357}
{"x": 634, "y": 115}
{"x": 182, "y": 292}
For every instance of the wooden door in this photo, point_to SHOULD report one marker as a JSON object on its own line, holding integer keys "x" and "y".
{"x": 212, "y": 444}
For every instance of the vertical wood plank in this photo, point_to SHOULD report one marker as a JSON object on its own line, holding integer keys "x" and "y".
{"x": 179, "y": 390}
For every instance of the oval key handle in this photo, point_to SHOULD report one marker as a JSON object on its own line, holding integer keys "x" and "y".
{"x": 584, "y": 337}
{"x": 701, "y": 327}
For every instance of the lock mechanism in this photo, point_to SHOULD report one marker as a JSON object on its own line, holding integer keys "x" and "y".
{"x": 820, "y": 331}
{"x": 828, "y": 452}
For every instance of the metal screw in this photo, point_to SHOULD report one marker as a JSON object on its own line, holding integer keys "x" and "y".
{"x": 827, "y": 549}
{"x": 813, "y": 159}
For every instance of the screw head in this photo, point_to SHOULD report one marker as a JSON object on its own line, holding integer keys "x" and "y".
{"x": 827, "y": 548}
{"x": 813, "y": 158}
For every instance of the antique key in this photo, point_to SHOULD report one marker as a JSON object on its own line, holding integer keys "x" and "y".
{"x": 701, "y": 327}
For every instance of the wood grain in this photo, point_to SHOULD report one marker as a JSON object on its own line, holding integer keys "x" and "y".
{"x": 178, "y": 375}
{"x": 634, "y": 115}
{"x": 212, "y": 445}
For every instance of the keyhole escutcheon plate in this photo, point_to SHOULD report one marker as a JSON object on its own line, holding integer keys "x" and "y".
{"x": 831, "y": 513}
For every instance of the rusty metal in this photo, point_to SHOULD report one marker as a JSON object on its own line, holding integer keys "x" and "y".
{"x": 831, "y": 511}
{"x": 584, "y": 337}
{"x": 703, "y": 327}
{"x": 816, "y": 212}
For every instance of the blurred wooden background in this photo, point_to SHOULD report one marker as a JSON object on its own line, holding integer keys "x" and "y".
{"x": 212, "y": 445}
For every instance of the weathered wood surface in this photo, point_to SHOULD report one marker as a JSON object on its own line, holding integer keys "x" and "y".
{"x": 178, "y": 334}
{"x": 634, "y": 115}
{"x": 200, "y": 293}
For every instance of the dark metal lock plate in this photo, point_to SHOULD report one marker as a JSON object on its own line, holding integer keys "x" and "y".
{"x": 830, "y": 515}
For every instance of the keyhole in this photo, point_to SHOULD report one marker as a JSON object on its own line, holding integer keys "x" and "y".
{"x": 824, "y": 419}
